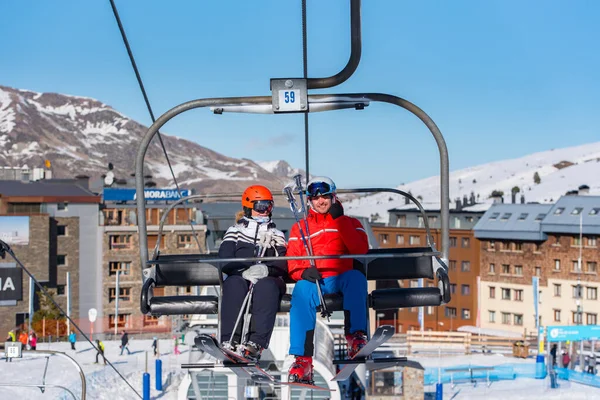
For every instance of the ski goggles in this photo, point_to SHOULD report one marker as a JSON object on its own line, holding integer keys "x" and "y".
{"x": 263, "y": 206}
{"x": 319, "y": 189}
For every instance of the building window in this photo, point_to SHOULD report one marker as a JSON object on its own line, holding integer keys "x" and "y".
{"x": 383, "y": 238}
{"x": 518, "y": 319}
{"x": 186, "y": 290}
{"x": 538, "y": 271}
{"x": 505, "y": 294}
{"x": 122, "y": 321}
{"x": 556, "y": 240}
{"x": 119, "y": 242}
{"x": 492, "y": 268}
{"x": 492, "y": 292}
{"x": 577, "y": 318}
{"x": 429, "y": 310}
{"x": 414, "y": 240}
{"x": 420, "y": 222}
{"x": 61, "y": 260}
{"x": 494, "y": 216}
{"x": 399, "y": 239}
{"x": 506, "y": 318}
{"x": 537, "y": 247}
{"x": 186, "y": 241}
{"x": 62, "y": 206}
{"x": 432, "y": 220}
{"x": 506, "y": 216}
{"x": 518, "y": 246}
{"x": 557, "y": 265}
{"x": 451, "y": 312}
{"x": 414, "y": 283}
{"x": 401, "y": 220}
{"x": 491, "y": 245}
{"x": 452, "y": 241}
{"x": 465, "y": 266}
{"x": 523, "y": 216}
{"x": 465, "y": 290}
{"x": 559, "y": 210}
{"x": 592, "y": 267}
{"x": 466, "y": 242}
{"x": 60, "y": 290}
{"x": 469, "y": 219}
{"x": 540, "y": 217}
{"x": 557, "y": 289}
{"x": 124, "y": 294}
{"x": 466, "y": 313}
{"x": 556, "y": 315}
{"x": 575, "y": 265}
{"x": 505, "y": 269}
{"x": 492, "y": 316}
{"x": 519, "y": 270}
{"x": 577, "y": 291}
{"x": 592, "y": 319}
{"x": 595, "y": 211}
{"x": 575, "y": 241}
{"x": 61, "y": 230}
{"x": 151, "y": 320}
{"x": 123, "y": 266}
{"x": 591, "y": 241}
{"x": 592, "y": 293}
{"x": 457, "y": 222}
{"x": 518, "y": 295}
{"x": 452, "y": 288}
{"x": 452, "y": 265}
{"x": 577, "y": 211}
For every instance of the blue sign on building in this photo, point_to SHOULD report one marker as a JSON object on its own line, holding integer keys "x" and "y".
{"x": 573, "y": 333}
{"x": 149, "y": 194}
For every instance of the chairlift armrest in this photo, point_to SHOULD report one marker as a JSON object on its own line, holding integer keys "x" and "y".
{"x": 145, "y": 297}
{"x": 443, "y": 285}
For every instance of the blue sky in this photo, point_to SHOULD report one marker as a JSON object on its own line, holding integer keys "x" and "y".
{"x": 501, "y": 78}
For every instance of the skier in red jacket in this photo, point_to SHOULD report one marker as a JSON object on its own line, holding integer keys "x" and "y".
{"x": 331, "y": 233}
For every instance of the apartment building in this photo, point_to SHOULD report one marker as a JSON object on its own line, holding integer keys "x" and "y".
{"x": 406, "y": 228}
{"x": 555, "y": 243}
{"x": 52, "y": 227}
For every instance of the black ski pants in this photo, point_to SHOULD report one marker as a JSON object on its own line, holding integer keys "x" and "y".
{"x": 264, "y": 307}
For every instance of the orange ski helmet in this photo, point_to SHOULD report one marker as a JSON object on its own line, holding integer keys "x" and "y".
{"x": 254, "y": 193}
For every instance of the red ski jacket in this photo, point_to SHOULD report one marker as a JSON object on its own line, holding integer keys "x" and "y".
{"x": 343, "y": 235}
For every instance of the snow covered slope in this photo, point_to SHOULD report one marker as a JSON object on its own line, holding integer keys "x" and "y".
{"x": 560, "y": 170}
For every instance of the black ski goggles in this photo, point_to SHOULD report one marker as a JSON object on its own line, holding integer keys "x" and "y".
{"x": 319, "y": 189}
{"x": 263, "y": 206}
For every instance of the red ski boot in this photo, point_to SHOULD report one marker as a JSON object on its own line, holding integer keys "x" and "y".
{"x": 356, "y": 341}
{"x": 301, "y": 371}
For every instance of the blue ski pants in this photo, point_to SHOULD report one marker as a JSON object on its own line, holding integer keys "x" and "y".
{"x": 305, "y": 300}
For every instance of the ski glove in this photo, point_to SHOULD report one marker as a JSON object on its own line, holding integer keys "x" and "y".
{"x": 255, "y": 272}
{"x": 336, "y": 210}
{"x": 311, "y": 274}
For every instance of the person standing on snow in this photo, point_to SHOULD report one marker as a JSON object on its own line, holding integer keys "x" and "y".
{"x": 100, "y": 348}
{"x": 125, "y": 343}
{"x": 253, "y": 235}
{"x": 331, "y": 233}
{"x": 72, "y": 339}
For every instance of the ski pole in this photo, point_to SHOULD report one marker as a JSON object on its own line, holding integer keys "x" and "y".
{"x": 288, "y": 192}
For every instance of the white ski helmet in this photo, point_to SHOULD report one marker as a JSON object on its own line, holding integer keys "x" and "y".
{"x": 319, "y": 186}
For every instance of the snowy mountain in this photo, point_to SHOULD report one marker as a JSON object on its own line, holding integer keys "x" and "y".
{"x": 282, "y": 169}
{"x": 559, "y": 170}
{"x": 82, "y": 136}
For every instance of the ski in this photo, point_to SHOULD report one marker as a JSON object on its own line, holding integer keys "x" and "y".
{"x": 239, "y": 365}
{"x": 381, "y": 335}
{"x": 295, "y": 384}
{"x": 210, "y": 345}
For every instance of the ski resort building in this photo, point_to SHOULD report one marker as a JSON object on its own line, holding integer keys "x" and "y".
{"x": 551, "y": 246}
{"x": 52, "y": 227}
{"x": 407, "y": 229}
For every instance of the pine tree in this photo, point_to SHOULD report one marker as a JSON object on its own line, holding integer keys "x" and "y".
{"x": 536, "y": 178}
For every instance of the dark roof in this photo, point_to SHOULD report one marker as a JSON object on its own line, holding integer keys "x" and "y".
{"x": 44, "y": 188}
{"x": 512, "y": 221}
{"x": 564, "y": 217}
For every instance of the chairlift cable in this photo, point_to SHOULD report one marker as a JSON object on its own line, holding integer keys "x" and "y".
{"x": 147, "y": 101}
{"x": 5, "y": 248}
